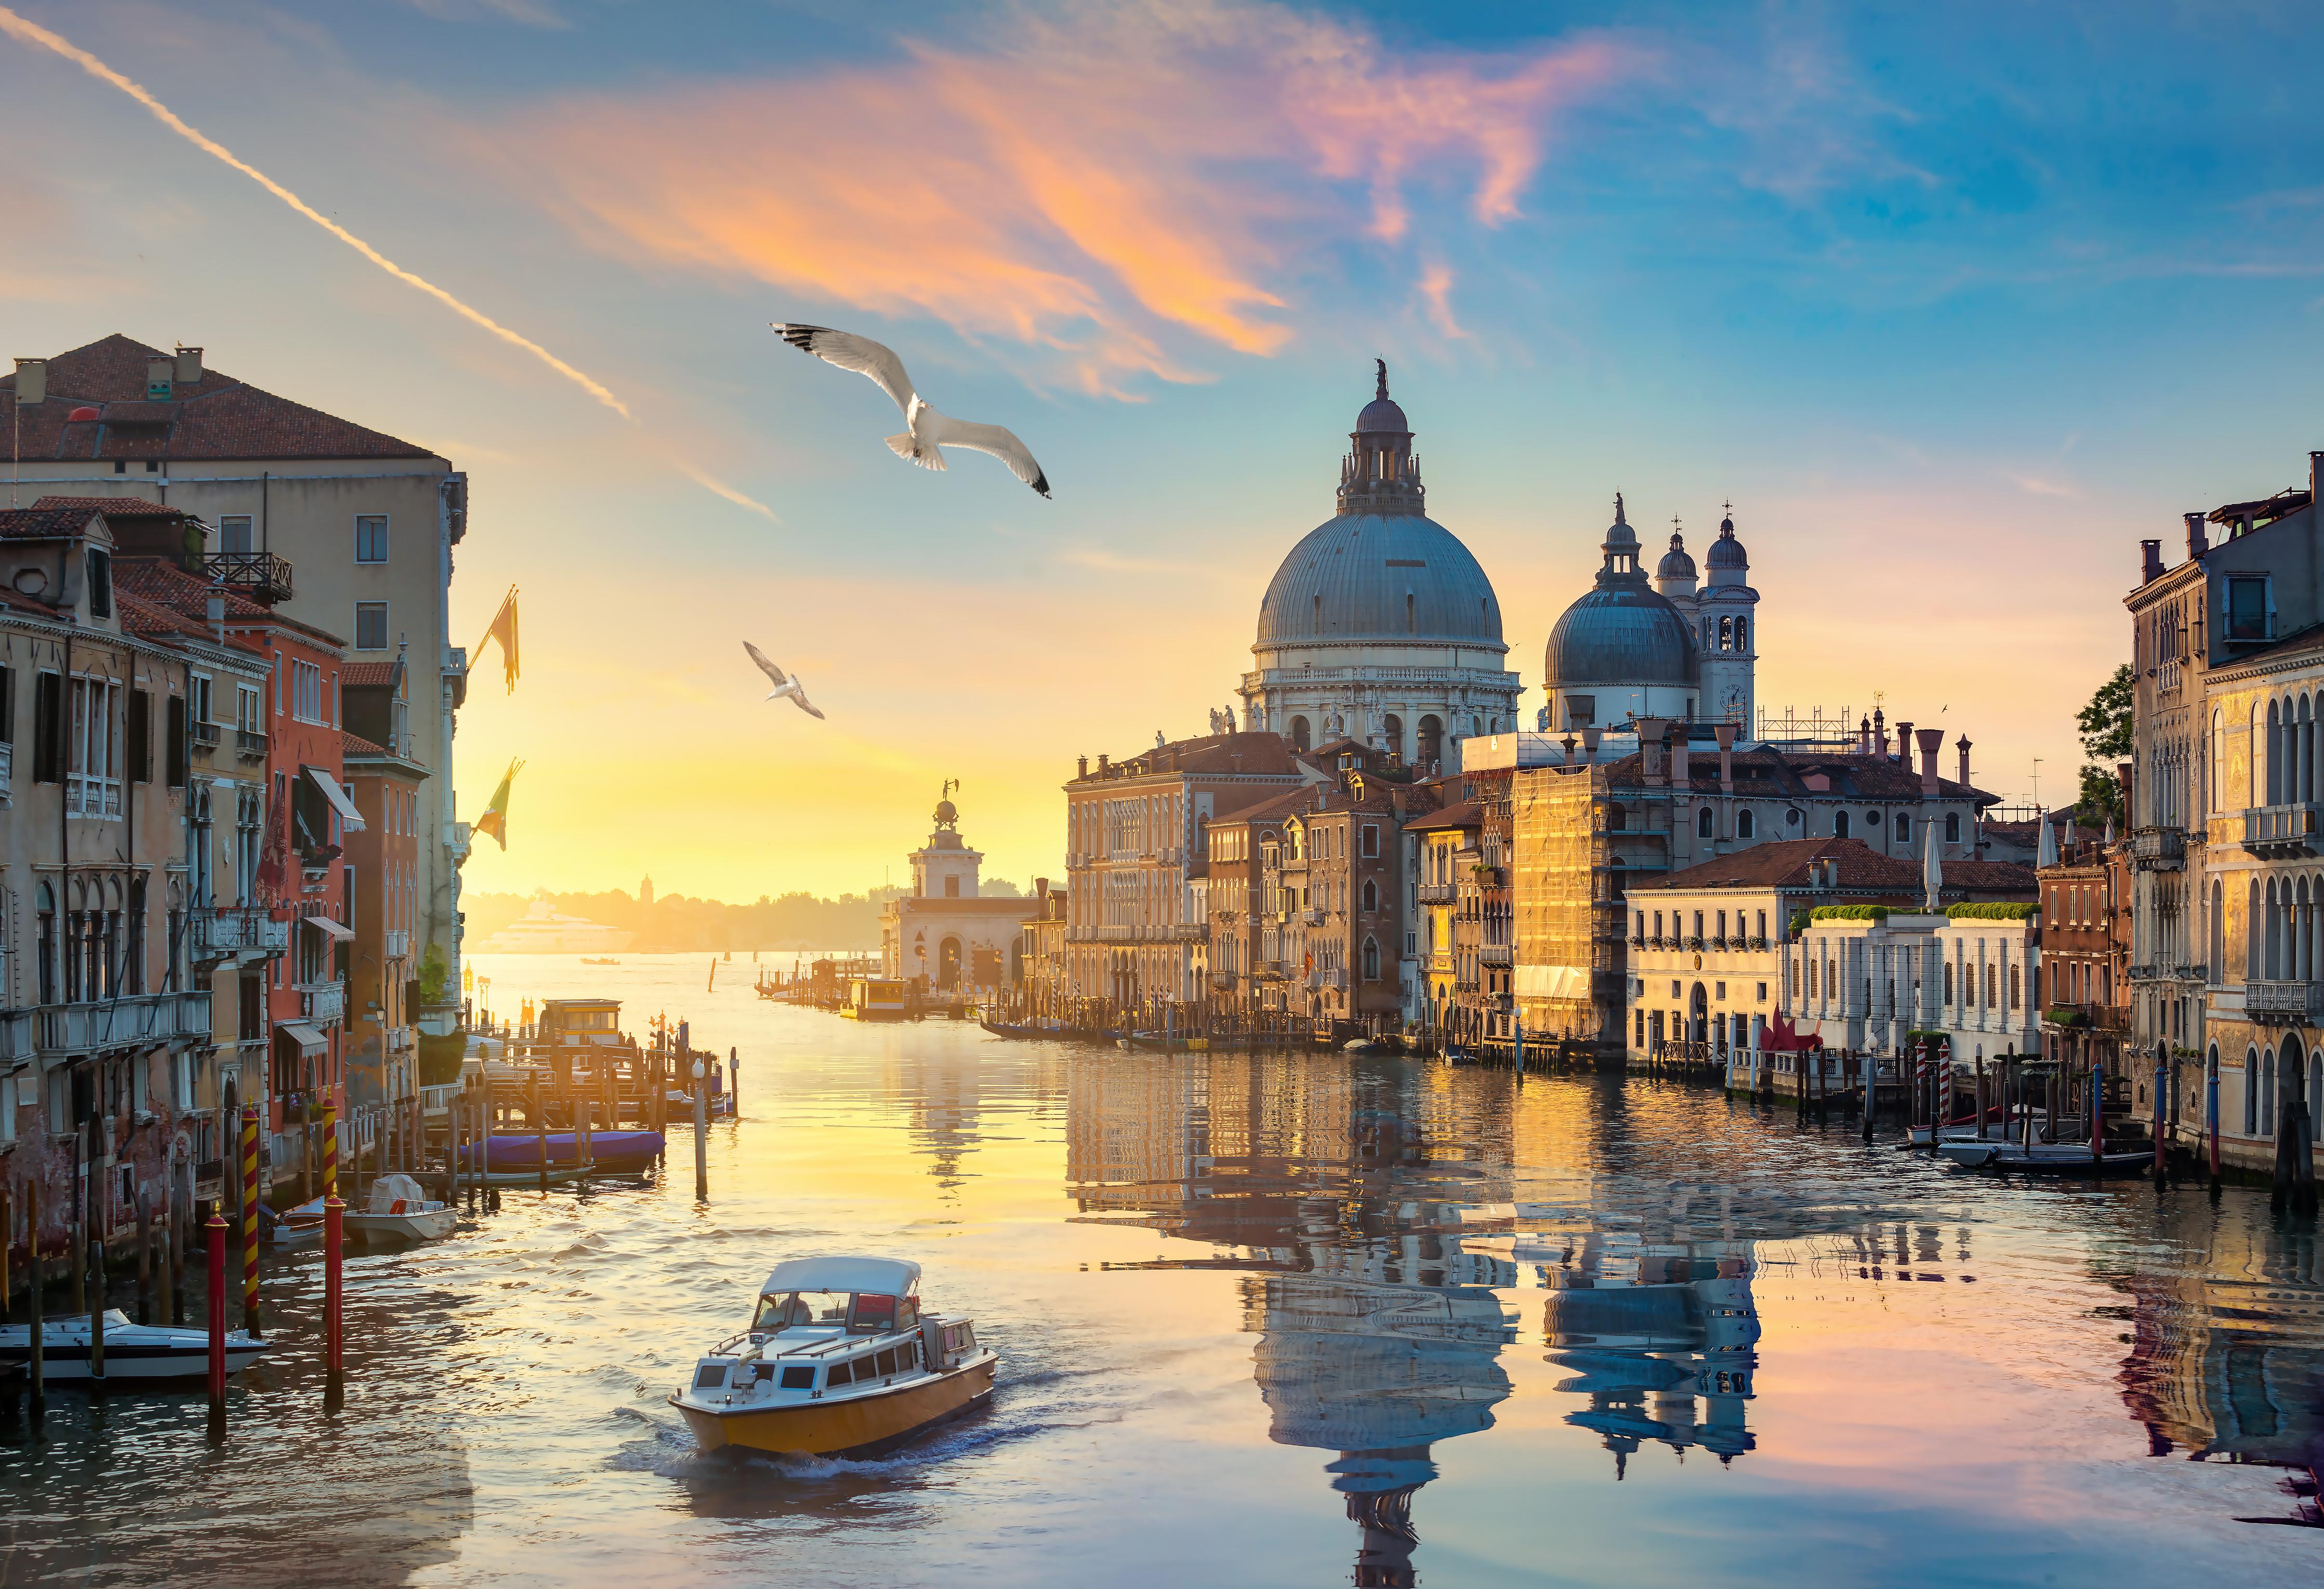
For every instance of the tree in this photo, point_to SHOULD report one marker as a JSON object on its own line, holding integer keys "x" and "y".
{"x": 2107, "y": 739}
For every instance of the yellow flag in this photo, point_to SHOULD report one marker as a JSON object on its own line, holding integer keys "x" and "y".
{"x": 503, "y": 630}
{"x": 494, "y": 820}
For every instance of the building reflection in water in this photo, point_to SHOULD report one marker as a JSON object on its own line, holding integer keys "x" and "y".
{"x": 2226, "y": 1350}
{"x": 1661, "y": 1338}
{"x": 1336, "y": 1182}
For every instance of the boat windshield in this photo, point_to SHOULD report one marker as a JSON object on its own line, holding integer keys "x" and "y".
{"x": 784, "y": 1310}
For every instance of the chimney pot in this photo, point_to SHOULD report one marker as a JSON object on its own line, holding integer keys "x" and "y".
{"x": 2151, "y": 560}
{"x": 189, "y": 365}
{"x": 1084, "y": 767}
{"x": 1933, "y": 740}
{"x": 1650, "y": 749}
{"x": 1589, "y": 738}
{"x": 2199, "y": 542}
{"x": 1962, "y": 745}
{"x": 1864, "y": 737}
{"x": 1904, "y": 744}
{"x": 1680, "y": 778}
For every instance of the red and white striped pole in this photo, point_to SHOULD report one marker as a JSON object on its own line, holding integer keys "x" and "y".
{"x": 250, "y": 1219}
{"x": 333, "y": 1249}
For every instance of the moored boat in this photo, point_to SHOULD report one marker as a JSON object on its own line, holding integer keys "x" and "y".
{"x": 611, "y": 1152}
{"x": 838, "y": 1360}
{"x": 2068, "y": 1159}
{"x": 132, "y": 1351}
{"x": 398, "y": 1211}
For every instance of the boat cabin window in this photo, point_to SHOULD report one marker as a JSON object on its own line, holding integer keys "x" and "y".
{"x": 872, "y": 1316}
{"x": 798, "y": 1377}
{"x": 789, "y": 1309}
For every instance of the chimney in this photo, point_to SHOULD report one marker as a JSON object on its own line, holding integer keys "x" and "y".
{"x": 31, "y": 381}
{"x": 2150, "y": 564}
{"x": 1101, "y": 771}
{"x": 215, "y": 611}
{"x": 1724, "y": 732}
{"x": 1879, "y": 732}
{"x": 1084, "y": 768}
{"x": 188, "y": 372}
{"x": 1961, "y": 745}
{"x": 1904, "y": 744}
{"x": 1864, "y": 737}
{"x": 160, "y": 373}
{"x": 1568, "y": 741}
{"x": 1589, "y": 738}
{"x": 2198, "y": 543}
{"x": 1040, "y": 891}
{"x": 1933, "y": 740}
{"x": 1650, "y": 749}
{"x": 1680, "y": 779}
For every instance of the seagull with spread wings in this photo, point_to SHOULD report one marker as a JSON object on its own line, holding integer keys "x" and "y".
{"x": 926, "y": 431}
{"x": 784, "y": 686}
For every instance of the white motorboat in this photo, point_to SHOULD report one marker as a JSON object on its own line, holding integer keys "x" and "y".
{"x": 399, "y": 1211}
{"x": 132, "y": 1351}
{"x": 839, "y": 1361}
{"x": 2071, "y": 1159}
{"x": 296, "y": 1227}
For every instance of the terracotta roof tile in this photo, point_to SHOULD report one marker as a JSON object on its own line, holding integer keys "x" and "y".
{"x": 366, "y": 675}
{"x": 118, "y": 507}
{"x": 218, "y": 417}
{"x": 355, "y": 744}
{"x": 42, "y": 523}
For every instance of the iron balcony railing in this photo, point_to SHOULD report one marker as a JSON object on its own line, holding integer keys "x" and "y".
{"x": 2287, "y": 830}
{"x": 18, "y": 1036}
{"x": 250, "y": 743}
{"x": 259, "y": 575}
{"x": 203, "y": 733}
{"x": 1495, "y": 954}
{"x": 323, "y": 1002}
{"x": 1438, "y": 893}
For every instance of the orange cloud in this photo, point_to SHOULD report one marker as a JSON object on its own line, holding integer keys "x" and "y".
{"x": 1106, "y": 186}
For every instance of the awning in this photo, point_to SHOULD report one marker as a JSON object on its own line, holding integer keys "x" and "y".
{"x": 331, "y": 929}
{"x": 309, "y": 1041}
{"x": 350, "y": 820}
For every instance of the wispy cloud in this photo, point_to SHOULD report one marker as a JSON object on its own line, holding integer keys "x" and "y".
{"x": 1112, "y": 184}
{"x": 2035, "y": 485}
{"x": 1435, "y": 289}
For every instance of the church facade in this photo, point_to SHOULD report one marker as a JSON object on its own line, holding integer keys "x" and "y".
{"x": 1380, "y": 626}
{"x": 944, "y": 936}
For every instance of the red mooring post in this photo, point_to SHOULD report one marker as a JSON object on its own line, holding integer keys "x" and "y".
{"x": 216, "y": 1229}
{"x": 334, "y": 1311}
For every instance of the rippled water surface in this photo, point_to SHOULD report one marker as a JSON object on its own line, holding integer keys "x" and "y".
{"x": 1265, "y": 1319}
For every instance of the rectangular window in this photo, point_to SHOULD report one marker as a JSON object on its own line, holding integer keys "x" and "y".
{"x": 141, "y": 737}
{"x": 1763, "y": 992}
{"x": 177, "y": 749}
{"x": 371, "y": 625}
{"x": 371, "y": 538}
{"x": 2247, "y": 614}
{"x": 1371, "y": 842}
{"x": 1720, "y": 992}
{"x": 233, "y": 535}
{"x": 100, "y": 582}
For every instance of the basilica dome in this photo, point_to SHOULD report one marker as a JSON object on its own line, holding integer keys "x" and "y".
{"x": 1399, "y": 578}
{"x": 1622, "y": 632}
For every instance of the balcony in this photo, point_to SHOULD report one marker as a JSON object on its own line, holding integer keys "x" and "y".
{"x": 250, "y": 744}
{"x": 1336, "y": 977}
{"x": 2279, "y": 832}
{"x": 1496, "y": 954}
{"x": 92, "y": 797}
{"x": 1188, "y": 932}
{"x": 1222, "y": 982}
{"x": 203, "y": 733}
{"x": 1438, "y": 893}
{"x": 2158, "y": 849}
{"x": 2283, "y": 1004}
{"x": 396, "y": 943}
{"x": 217, "y": 934}
{"x": 259, "y": 575}
{"x": 7, "y": 756}
{"x": 17, "y": 1035}
{"x": 134, "y": 1020}
{"x": 1313, "y": 916}
{"x": 321, "y": 1003}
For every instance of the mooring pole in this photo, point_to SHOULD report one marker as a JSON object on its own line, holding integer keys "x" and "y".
{"x": 250, "y": 1219}
{"x": 2212, "y": 1111}
{"x": 37, "y": 1283}
{"x": 700, "y": 1132}
{"x": 216, "y": 1229}
{"x": 540, "y": 1127}
{"x": 334, "y": 1299}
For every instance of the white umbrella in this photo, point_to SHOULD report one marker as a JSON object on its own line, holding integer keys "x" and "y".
{"x": 2048, "y": 854}
{"x": 1932, "y": 870}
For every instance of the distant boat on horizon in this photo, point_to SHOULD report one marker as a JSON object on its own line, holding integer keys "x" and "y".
{"x": 543, "y": 931}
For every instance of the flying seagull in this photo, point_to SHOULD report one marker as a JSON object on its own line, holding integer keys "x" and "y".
{"x": 783, "y": 685}
{"x": 926, "y": 431}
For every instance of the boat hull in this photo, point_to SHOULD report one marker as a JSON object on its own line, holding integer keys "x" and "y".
{"x": 428, "y": 1225}
{"x": 857, "y": 1425}
{"x": 132, "y": 1351}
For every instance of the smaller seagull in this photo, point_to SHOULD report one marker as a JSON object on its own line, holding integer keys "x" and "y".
{"x": 784, "y": 686}
{"x": 926, "y": 431}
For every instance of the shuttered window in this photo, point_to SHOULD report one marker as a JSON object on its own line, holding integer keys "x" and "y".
{"x": 141, "y": 737}
{"x": 177, "y": 747}
{"x": 49, "y": 729}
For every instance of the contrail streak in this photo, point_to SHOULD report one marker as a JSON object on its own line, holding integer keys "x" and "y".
{"x": 33, "y": 33}
{"x": 717, "y": 487}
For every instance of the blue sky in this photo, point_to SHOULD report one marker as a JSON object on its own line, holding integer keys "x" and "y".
{"x": 1955, "y": 305}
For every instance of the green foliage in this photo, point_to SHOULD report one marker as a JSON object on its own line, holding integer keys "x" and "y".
{"x": 1799, "y": 923}
{"x": 1851, "y": 914}
{"x": 435, "y": 972}
{"x": 1990, "y": 912}
{"x": 2064, "y": 1017}
{"x": 440, "y": 1058}
{"x": 2107, "y": 739}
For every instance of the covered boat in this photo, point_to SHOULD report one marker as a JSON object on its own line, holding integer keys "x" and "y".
{"x": 399, "y": 1211}
{"x": 838, "y": 1360}
{"x": 610, "y": 1152}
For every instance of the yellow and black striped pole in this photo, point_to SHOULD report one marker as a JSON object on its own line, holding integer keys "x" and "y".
{"x": 250, "y": 1220}
{"x": 330, "y": 1150}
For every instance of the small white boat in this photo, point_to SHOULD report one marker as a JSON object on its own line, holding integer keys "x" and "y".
{"x": 2074, "y": 1159}
{"x": 399, "y": 1211}
{"x": 132, "y": 1351}
{"x": 296, "y": 1227}
{"x": 839, "y": 1361}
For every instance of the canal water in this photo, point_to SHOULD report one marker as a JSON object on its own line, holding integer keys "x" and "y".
{"x": 1266, "y": 1320}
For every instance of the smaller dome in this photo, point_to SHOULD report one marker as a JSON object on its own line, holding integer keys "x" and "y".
{"x": 1675, "y": 563}
{"x": 1727, "y": 552}
{"x": 1381, "y": 414}
{"x": 946, "y": 813}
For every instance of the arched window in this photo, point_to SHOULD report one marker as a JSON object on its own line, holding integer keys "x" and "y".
{"x": 2255, "y": 933}
{"x": 1371, "y": 895}
{"x": 1745, "y": 824}
{"x": 1371, "y": 957}
{"x": 45, "y": 944}
{"x": 1952, "y": 827}
{"x": 2217, "y": 971}
{"x": 1702, "y": 823}
{"x": 1392, "y": 728}
{"x": 2251, "y": 1092}
{"x": 1839, "y": 825}
{"x": 1299, "y": 733}
{"x": 2267, "y": 1094}
{"x": 2254, "y": 771}
{"x": 2218, "y": 748}
{"x": 1727, "y": 634}
{"x": 1949, "y": 981}
{"x": 1903, "y": 828}
{"x": 2273, "y": 963}
{"x": 1742, "y": 634}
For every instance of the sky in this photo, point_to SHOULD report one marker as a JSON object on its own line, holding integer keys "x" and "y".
{"x": 1954, "y": 305}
